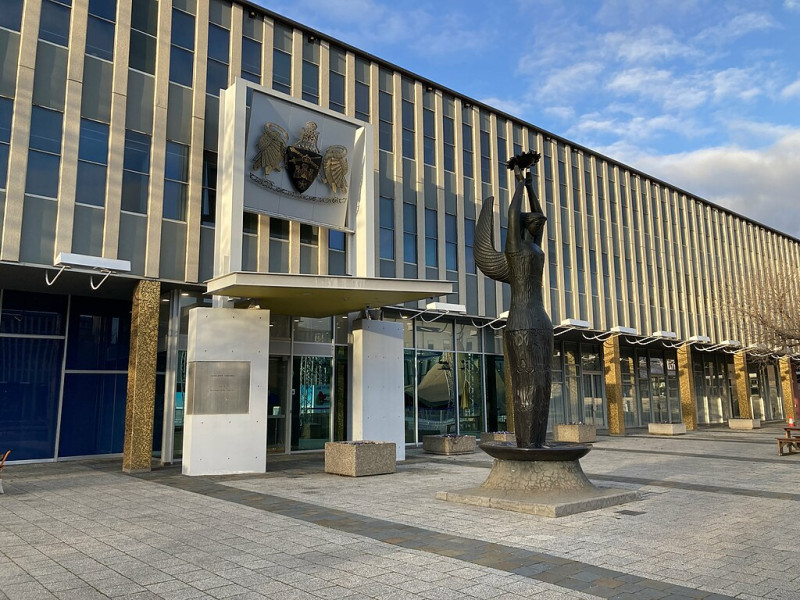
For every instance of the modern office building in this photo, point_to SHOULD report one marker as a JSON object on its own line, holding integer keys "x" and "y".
{"x": 110, "y": 160}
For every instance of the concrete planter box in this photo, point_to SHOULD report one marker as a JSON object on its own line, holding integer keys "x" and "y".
{"x": 498, "y": 436}
{"x": 576, "y": 433}
{"x": 357, "y": 459}
{"x": 744, "y": 423}
{"x": 666, "y": 428}
{"x": 448, "y": 444}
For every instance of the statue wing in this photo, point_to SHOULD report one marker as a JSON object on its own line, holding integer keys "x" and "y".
{"x": 271, "y": 148}
{"x": 492, "y": 263}
{"x": 334, "y": 169}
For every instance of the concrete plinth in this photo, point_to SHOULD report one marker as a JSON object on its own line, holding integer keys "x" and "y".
{"x": 576, "y": 433}
{"x": 448, "y": 444}
{"x": 498, "y": 436}
{"x": 666, "y": 428}
{"x": 357, "y": 459}
{"x": 744, "y": 423}
{"x": 545, "y": 488}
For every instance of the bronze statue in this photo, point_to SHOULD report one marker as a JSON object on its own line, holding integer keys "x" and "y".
{"x": 528, "y": 331}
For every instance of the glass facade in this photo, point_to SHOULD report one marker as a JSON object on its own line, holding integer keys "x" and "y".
{"x": 623, "y": 248}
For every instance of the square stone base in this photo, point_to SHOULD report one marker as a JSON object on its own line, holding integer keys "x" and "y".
{"x": 666, "y": 428}
{"x": 579, "y": 434}
{"x": 357, "y": 459}
{"x": 544, "y": 504}
{"x": 744, "y": 423}
{"x": 445, "y": 444}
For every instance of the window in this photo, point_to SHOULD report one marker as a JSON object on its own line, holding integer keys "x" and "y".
{"x": 218, "y": 47}
{"x": 252, "y": 36}
{"x": 54, "y": 23}
{"x": 409, "y": 233}
{"x": 336, "y": 253}
{"x": 209, "y": 199}
{"x": 181, "y": 61}
{"x": 278, "y": 246}
{"x": 469, "y": 245}
{"x": 449, "y": 133}
{"x": 176, "y": 181}
{"x": 431, "y": 235}
{"x": 100, "y": 29}
{"x": 6, "y": 111}
{"x": 408, "y": 119}
{"x": 135, "y": 172}
{"x": 251, "y": 60}
{"x": 282, "y": 59}
{"x": 386, "y": 220}
{"x": 466, "y": 134}
{"x": 429, "y": 135}
{"x": 11, "y": 15}
{"x": 309, "y": 248}
{"x": 338, "y": 68}
{"x": 44, "y": 155}
{"x": 144, "y": 25}
{"x": 486, "y": 150}
{"x": 502, "y": 155}
{"x": 90, "y": 186}
{"x": 385, "y": 111}
{"x": 450, "y": 242}
{"x": 362, "y": 89}
{"x": 311, "y": 71}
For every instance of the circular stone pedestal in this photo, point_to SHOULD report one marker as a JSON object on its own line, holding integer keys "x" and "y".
{"x": 546, "y": 481}
{"x": 538, "y": 476}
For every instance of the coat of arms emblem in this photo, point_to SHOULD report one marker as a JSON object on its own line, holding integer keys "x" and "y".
{"x": 303, "y": 159}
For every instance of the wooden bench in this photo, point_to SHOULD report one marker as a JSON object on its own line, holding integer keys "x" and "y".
{"x": 788, "y": 443}
{"x": 3, "y": 462}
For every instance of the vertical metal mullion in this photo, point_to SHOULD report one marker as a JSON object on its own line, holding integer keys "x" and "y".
{"x": 63, "y": 376}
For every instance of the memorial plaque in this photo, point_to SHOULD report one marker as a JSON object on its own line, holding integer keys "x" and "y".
{"x": 218, "y": 388}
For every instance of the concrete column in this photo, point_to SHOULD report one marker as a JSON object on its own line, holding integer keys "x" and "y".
{"x": 377, "y": 410}
{"x": 613, "y": 376}
{"x": 137, "y": 451}
{"x": 791, "y": 402}
{"x": 742, "y": 385}
{"x": 686, "y": 385}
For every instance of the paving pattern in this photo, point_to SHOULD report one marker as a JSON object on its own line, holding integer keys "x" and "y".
{"x": 717, "y": 519}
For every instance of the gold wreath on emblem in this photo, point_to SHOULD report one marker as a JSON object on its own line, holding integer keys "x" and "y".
{"x": 271, "y": 149}
{"x": 334, "y": 169}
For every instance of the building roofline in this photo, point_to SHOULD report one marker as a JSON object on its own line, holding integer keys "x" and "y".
{"x": 477, "y": 103}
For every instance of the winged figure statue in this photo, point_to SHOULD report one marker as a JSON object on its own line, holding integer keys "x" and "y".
{"x": 271, "y": 148}
{"x": 334, "y": 169}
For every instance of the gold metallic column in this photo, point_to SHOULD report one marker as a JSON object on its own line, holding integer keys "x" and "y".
{"x": 742, "y": 385}
{"x": 137, "y": 451}
{"x": 789, "y": 388}
{"x": 613, "y": 373}
{"x": 688, "y": 399}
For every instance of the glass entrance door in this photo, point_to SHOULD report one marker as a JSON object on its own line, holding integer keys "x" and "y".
{"x": 277, "y": 403}
{"x": 311, "y": 402}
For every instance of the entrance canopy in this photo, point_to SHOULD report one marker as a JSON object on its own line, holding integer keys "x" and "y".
{"x": 323, "y": 296}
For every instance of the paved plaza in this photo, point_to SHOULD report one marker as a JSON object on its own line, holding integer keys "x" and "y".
{"x": 717, "y": 518}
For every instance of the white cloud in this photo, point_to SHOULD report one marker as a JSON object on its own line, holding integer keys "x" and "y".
{"x": 572, "y": 79}
{"x": 793, "y": 89}
{"x": 793, "y": 5}
{"x": 738, "y": 26}
{"x": 763, "y": 185}
{"x": 650, "y": 45}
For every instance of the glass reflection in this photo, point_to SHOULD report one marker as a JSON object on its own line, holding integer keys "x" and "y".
{"x": 311, "y": 402}
{"x": 470, "y": 393}
{"x": 435, "y": 393}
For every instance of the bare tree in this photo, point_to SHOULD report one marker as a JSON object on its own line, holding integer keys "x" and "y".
{"x": 767, "y": 306}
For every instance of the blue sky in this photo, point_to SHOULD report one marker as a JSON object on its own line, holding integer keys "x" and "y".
{"x": 703, "y": 94}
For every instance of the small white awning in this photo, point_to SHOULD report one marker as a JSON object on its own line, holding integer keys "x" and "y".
{"x": 323, "y": 295}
